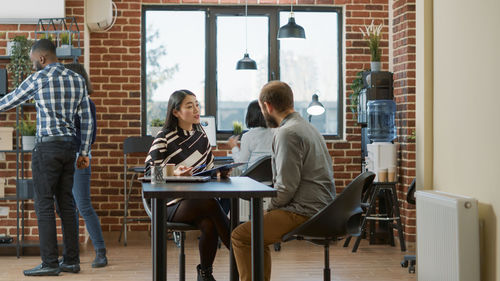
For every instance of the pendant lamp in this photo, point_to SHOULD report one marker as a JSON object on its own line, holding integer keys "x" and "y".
{"x": 291, "y": 30}
{"x": 315, "y": 107}
{"x": 246, "y": 62}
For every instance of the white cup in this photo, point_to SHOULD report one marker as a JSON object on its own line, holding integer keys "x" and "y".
{"x": 168, "y": 170}
{"x": 382, "y": 175}
{"x": 391, "y": 174}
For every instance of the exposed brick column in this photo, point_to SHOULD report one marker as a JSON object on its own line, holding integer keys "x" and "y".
{"x": 404, "y": 61}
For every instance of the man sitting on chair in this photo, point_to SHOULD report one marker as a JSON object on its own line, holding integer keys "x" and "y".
{"x": 302, "y": 174}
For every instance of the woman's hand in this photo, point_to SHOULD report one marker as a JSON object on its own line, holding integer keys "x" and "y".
{"x": 183, "y": 171}
{"x": 233, "y": 141}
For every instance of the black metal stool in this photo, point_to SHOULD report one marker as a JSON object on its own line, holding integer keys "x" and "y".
{"x": 391, "y": 214}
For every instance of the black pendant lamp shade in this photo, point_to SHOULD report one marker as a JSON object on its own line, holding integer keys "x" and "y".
{"x": 291, "y": 30}
{"x": 315, "y": 107}
{"x": 246, "y": 63}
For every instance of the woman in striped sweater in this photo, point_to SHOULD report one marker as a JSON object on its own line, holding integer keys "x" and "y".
{"x": 183, "y": 142}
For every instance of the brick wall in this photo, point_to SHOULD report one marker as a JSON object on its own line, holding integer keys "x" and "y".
{"x": 115, "y": 75}
{"x": 404, "y": 62}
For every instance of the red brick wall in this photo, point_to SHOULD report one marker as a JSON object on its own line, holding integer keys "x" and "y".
{"x": 404, "y": 62}
{"x": 115, "y": 74}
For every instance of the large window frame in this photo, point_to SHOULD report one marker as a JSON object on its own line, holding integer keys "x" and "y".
{"x": 212, "y": 12}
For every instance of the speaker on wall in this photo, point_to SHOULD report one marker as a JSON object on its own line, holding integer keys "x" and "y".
{"x": 3, "y": 81}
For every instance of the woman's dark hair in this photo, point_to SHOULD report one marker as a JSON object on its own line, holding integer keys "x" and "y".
{"x": 174, "y": 102}
{"x": 79, "y": 69}
{"x": 254, "y": 116}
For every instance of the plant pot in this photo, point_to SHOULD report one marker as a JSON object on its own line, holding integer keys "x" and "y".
{"x": 28, "y": 142}
{"x": 154, "y": 130}
{"x": 67, "y": 51}
{"x": 375, "y": 65}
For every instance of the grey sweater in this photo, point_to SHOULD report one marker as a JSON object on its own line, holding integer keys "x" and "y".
{"x": 302, "y": 168}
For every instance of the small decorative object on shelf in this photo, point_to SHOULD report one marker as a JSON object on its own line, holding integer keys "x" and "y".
{"x": 372, "y": 36}
{"x": 28, "y": 130}
{"x": 64, "y": 32}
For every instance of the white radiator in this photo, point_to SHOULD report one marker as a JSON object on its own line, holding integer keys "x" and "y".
{"x": 447, "y": 237}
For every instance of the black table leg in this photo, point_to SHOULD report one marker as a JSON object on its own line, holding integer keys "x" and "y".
{"x": 235, "y": 221}
{"x": 257, "y": 240}
{"x": 158, "y": 239}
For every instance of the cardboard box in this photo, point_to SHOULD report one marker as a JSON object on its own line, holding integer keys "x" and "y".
{"x": 6, "y": 138}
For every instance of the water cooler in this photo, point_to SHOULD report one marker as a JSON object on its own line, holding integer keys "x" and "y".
{"x": 376, "y": 115}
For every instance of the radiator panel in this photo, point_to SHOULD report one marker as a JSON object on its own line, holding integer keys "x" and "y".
{"x": 447, "y": 237}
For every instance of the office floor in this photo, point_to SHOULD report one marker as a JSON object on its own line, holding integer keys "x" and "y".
{"x": 297, "y": 260}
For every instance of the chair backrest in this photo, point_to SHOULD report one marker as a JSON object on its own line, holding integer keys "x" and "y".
{"x": 137, "y": 144}
{"x": 342, "y": 216}
{"x": 410, "y": 197}
{"x": 261, "y": 170}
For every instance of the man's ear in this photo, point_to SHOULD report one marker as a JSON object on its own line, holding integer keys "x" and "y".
{"x": 269, "y": 107}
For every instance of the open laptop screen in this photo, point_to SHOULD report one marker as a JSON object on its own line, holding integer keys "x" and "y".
{"x": 208, "y": 124}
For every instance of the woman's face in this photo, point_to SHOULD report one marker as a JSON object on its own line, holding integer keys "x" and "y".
{"x": 189, "y": 111}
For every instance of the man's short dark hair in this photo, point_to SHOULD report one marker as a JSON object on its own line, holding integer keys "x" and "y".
{"x": 254, "y": 118}
{"x": 278, "y": 94}
{"x": 44, "y": 46}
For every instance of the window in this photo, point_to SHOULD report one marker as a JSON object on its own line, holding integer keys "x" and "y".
{"x": 197, "y": 48}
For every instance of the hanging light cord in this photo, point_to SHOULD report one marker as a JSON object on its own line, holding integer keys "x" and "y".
{"x": 246, "y": 26}
{"x": 291, "y": 8}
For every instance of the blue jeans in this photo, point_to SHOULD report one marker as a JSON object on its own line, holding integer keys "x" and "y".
{"x": 81, "y": 193}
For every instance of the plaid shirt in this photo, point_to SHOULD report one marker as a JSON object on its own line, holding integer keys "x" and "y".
{"x": 59, "y": 94}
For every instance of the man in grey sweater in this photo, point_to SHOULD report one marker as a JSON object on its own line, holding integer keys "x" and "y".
{"x": 302, "y": 175}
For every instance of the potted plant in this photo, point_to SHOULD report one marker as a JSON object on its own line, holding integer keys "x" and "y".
{"x": 156, "y": 126}
{"x": 237, "y": 128}
{"x": 27, "y": 129}
{"x": 372, "y": 36}
{"x": 65, "y": 48}
{"x": 20, "y": 64}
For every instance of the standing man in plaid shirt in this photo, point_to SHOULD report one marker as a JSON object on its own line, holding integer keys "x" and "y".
{"x": 59, "y": 95}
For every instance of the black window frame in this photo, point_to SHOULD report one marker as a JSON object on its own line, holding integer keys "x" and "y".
{"x": 272, "y": 12}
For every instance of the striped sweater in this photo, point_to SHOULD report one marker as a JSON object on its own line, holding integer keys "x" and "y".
{"x": 180, "y": 147}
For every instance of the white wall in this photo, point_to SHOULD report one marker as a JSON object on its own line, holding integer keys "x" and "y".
{"x": 466, "y": 111}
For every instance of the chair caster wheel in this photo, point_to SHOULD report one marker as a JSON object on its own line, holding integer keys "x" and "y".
{"x": 277, "y": 247}
{"x": 404, "y": 263}
{"x": 411, "y": 269}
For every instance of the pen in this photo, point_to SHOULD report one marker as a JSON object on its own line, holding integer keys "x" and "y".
{"x": 199, "y": 167}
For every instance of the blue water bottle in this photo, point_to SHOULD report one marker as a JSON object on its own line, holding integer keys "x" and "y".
{"x": 381, "y": 125}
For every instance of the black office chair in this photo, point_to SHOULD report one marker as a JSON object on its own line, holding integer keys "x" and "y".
{"x": 179, "y": 233}
{"x": 410, "y": 260}
{"x": 339, "y": 218}
{"x": 132, "y": 145}
{"x": 260, "y": 171}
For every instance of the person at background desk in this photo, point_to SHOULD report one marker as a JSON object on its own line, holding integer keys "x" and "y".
{"x": 59, "y": 95}
{"x": 256, "y": 142}
{"x": 183, "y": 142}
{"x": 81, "y": 181}
{"x": 302, "y": 175}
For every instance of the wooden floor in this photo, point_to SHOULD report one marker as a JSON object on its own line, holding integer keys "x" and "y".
{"x": 297, "y": 260}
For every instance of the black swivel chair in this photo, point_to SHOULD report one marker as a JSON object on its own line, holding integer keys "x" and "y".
{"x": 410, "y": 260}
{"x": 132, "y": 145}
{"x": 339, "y": 218}
{"x": 260, "y": 171}
{"x": 179, "y": 232}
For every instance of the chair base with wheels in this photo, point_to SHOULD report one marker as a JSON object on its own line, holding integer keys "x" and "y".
{"x": 409, "y": 261}
{"x": 339, "y": 218}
